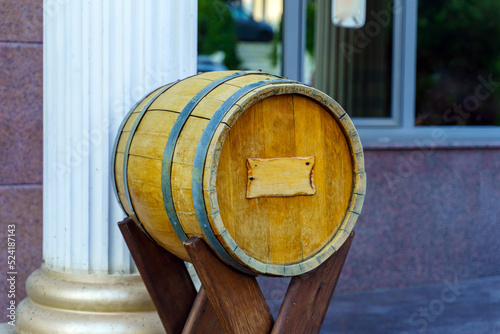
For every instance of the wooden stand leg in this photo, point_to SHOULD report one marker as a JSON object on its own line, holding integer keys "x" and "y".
{"x": 236, "y": 297}
{"x": 229, "y": 300}
{"x": 241, "y": 307}
{"x": 166, "y": 278}
{"x": 308, "y": 296}
{"x": 202, "y": 319}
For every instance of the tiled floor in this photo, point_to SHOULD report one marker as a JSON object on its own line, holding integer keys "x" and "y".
{"x": 452, "y": 307}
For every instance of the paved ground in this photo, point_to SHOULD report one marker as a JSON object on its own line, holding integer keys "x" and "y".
{"x": 452, "y": 307}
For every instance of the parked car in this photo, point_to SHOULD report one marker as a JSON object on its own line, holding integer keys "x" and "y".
{"x": 209, "y": 63}
{"x": 247, "y": 29}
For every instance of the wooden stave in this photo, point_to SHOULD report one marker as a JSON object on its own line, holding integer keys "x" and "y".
{"x": 114, "y": 150}
{"x": 127, "y": 203}
{"x": 170, "y": 148}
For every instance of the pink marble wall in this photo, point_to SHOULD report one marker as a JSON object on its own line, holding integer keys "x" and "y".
{"x": 428, "y": 216}
{"x": 20, "y": 139}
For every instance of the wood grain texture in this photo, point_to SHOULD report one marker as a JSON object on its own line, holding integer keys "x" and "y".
{"x": 245, "y": 140}
{"x": 283, "y": 214}
{"x": 202, "y": 319}
{"x": 285, "y": 230}
{"x": 308, "y": 296}
{"x": 236, "y": 297}
{"x": 249, "y": 79}
{"x": 176, "y": 98}
{"x": 144, "y": 177}
{"x": 120, "y": 184}
{"x": 280, "y": 177}
{"x": 228, "y": 301}
{"x": 333, "y": 173}
{"x": 165, "y": 276}
{"x": 148, "y": 99}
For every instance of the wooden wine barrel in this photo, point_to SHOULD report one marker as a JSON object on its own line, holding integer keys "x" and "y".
{"x": 269, "y": 171}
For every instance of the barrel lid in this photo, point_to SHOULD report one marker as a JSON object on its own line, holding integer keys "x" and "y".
{"x": 210, "y": 195}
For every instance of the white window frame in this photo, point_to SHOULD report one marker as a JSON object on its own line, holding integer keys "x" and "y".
{"x": 403, "y": 74}
{"x": 400, "y": 128}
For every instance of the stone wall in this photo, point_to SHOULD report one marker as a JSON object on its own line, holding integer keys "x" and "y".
{"x": 428, "y": 216}
{"x": 20, "y": 139}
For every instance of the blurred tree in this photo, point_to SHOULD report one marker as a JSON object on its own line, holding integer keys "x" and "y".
{"x": 310, "y": 26}
{"x": 455, "y": 46}
{"x": 217, "y": 31}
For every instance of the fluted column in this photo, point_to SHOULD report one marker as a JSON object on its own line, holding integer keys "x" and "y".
{"x": 100, "y": 57}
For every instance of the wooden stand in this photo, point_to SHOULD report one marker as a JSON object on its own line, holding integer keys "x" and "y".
{"x": 228, "y": 301}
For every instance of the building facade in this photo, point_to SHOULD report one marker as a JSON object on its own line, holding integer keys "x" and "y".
{"x": 431, "y": 210}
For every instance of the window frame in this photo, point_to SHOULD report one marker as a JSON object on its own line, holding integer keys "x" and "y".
{"x": 401, "y": 95}
{"x": 400, "y": 128}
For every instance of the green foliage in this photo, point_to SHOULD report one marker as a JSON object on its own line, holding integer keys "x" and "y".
{"x": 217, "y": 31}
{"x": 456, "y": 44}
{"x": 310, "y": 26}
{"x": 275, "y": 54}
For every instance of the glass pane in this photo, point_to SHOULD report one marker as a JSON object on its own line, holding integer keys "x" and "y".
{"x": 354, "y": 66}
{"x": 458, "y": 63}
{"x": 236, "y": 35}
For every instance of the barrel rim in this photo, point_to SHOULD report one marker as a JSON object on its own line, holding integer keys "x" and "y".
{"x": 357, "y": 192}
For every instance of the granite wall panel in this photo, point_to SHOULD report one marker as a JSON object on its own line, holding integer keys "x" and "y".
{"x": 20, "y": 206}
{"x": 426, "y": 219}
{"x": 21, "y": 113}
{"x": 434, "y": 219}
{"x": 21, "y": 20}
{"x": 20, "y": 141}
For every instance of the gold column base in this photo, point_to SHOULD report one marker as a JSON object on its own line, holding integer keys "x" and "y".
{"x": 62, "y": 303}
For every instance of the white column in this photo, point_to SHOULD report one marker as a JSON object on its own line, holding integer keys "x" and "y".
{"x": 100, "y": 58}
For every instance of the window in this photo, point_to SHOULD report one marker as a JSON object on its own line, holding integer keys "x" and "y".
{"x": 414, "y": 65}
{"x": 355, "y": 65}
{"x": 360, "y": 68}
{"x": 238, "y": 35}
{"x": 458, "y": 63}
{"x": 390, "y": 82}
